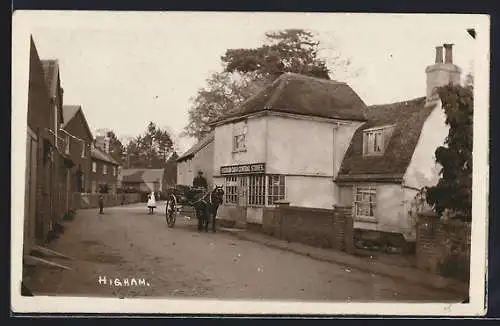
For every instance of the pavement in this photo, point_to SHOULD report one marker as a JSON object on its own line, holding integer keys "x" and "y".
{"x": 368, "y": 265}
{"x": 128, "y": 253}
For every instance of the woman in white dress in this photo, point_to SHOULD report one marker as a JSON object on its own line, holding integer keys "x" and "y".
{"x": 151, "y": 202}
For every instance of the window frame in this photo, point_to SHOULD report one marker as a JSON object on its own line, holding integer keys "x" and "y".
{"x": 84, "y": 150}
{"x": 375, "y": 140}
{"x": 94, "y": 167}
{"x": 359, "y": 193}
{"x": 231, "y": 191}
{"x": 256, "y": 190}
{"x": 275, "y": 192}
{"x": 67, "y": 145}
{"x": 240, "y": 137}
{"x": 104, "y": 169}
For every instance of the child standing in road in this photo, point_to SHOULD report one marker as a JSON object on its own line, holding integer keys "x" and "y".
{"x": 101, "y": 203}
{"x": 151, "y": 202}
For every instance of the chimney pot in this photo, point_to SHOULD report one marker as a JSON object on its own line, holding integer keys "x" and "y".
{"x": 448, "y": 54}
{"x": 439, "y": 54}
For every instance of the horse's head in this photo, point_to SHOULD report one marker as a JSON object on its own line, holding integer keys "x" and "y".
{"x": 218, "y": 194}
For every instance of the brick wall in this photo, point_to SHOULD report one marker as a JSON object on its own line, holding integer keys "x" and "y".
{"x": 324, "y": 228}
{"x": 443, "y": 247}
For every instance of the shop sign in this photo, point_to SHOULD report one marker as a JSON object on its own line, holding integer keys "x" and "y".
{"x": 256, "y": 168}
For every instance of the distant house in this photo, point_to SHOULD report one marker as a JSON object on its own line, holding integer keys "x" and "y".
{"x": 78, "y": 145}
{"x": 143, "y": 179}
{"x": 104, "y": 170}
{"x": 170, "y": 174}
{"x": 200, "y": 157}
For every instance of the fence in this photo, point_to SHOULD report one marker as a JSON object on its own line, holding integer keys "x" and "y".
{"x": 83, "y": 201}
{"x": 443, "y": 247}
{"x": 324, "y": 228}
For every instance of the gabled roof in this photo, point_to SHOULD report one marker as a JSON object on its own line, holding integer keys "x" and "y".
{"x": 70, "y": 111}
{"x": 408, "y": 118}
{"x": 304, "y": 95}
{"x": 99, "y": 154}
{"x": 197, "y": 147}
{"x": 142, "y": 175}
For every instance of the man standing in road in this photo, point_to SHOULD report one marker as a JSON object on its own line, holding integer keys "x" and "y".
{"x": 199, "y": 181}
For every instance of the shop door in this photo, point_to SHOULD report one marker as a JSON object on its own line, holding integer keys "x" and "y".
{"x": 243, "y": 191}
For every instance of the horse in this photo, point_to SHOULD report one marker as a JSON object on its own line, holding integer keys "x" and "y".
{"x": 206, "y": 208}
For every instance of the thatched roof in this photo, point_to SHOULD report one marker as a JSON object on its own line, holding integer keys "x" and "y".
{"x": 408, "y": 118}
{"x": 304, "y": 95}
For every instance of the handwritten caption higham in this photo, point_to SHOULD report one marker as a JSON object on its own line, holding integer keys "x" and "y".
{"x": 120, "y": 282}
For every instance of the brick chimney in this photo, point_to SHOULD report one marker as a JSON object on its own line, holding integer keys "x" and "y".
{"x": 442, "y": 73}
{"x": 103, "y": 143}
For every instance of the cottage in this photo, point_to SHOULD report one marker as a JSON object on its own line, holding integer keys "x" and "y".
{"x": 104, "y": 170}
{"x": 391, "y": 157}
{"x": 78, "y": 143}
{"x": 285, "y": 143}
{"x": 197, "y": 158}
{"x": 314, "y": 143}
{"x": 145, "y": 180}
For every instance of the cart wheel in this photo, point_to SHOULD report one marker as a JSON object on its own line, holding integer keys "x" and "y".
{"x": 171, "y": 213}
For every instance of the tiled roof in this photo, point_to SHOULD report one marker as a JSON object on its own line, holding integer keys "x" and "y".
{"x": 99, "y": 154}
{"x": 69, "y": 112}
{"x": 142, "y": 175}
{"x": 304, "y": 95}
{"x": 197, "y": 147}
{"x": 408, "y": 118}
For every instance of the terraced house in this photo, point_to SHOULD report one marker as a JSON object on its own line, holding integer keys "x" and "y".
{"x": 104, "y": 168}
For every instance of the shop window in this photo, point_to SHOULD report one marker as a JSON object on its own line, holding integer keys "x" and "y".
{"x": 365, "y": 202}
{"x": 231, "y": 191}
{"x": 276, "y": 188}
{"x": 257, "y": 190}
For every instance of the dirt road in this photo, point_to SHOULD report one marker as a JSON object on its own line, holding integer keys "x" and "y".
{"x": 150, "y": 259}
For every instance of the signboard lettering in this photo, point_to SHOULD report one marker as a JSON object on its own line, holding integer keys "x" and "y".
{"x": 243, "y": 169}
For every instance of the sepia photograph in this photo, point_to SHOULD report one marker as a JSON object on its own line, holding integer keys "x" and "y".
{"x": 249, "y": 163}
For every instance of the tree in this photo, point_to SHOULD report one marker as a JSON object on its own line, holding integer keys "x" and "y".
{"x": 246, "y": 71}
{"x": 453, "y": 193}
{"x": 150, "y": 150}
{"x": 290, "y": 50}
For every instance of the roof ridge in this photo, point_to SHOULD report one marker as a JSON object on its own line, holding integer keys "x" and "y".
{"x": 397, "y": 102}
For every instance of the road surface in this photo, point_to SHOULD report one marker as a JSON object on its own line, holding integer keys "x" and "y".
{"x": 128, "y": 253}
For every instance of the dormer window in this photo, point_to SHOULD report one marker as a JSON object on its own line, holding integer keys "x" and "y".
{"x": 375, "y": 140}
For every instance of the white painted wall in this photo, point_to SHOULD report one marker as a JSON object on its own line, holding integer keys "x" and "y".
{"x": 423, "y": 170}
{"x": 309, "y": 191}
{"x": 203, "y": 160}
{"x": 255, "y": 142}
{"x": 301, "y": 147}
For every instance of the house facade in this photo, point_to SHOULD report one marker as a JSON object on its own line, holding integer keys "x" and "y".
{"x": 285, "y": 143}
{"x": 391, "y": 157}
{"x": 78, "y": 146}
{"x": 104, "y": 170}
{"x": 143, "y": 180}
{"x": 39, "y": 199}
{"x": 314, "y": 143}
{"x": 200, "y": 157}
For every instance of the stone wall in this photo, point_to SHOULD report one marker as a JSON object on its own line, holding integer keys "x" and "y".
{"x": 326, "y": 228}
{"x": 443, "y": 247}
{"x": 83, "y": 201}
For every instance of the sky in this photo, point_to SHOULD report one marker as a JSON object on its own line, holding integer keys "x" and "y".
{"x": 126, "y": 69}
